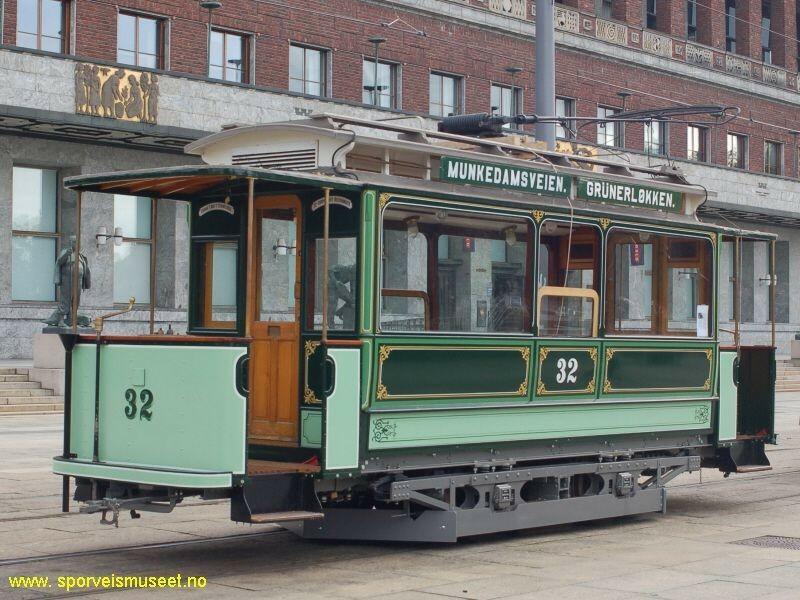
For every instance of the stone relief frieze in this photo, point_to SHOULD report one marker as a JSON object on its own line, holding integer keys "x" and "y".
{"x": 699, "y": 56}
{"x": 116, "y": 93}
{"x": 511, "y": 8}
{"x": 774, "y": 76}
{"x": 657, "y": 44}
{"x": 738, "y": 66}
{"x": 567, "y": 20}
{"x": 616, "y": 33}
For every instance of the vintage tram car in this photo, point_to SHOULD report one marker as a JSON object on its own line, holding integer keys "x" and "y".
{"x": 401, "y": 334}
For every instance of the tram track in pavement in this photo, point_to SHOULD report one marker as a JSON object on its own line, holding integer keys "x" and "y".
{"x": 136, "y": 547}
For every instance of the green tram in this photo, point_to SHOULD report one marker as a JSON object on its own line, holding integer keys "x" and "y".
{"x": 401, "y": 334}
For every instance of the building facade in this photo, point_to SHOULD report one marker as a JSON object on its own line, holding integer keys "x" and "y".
{"x": 99, "y": 86}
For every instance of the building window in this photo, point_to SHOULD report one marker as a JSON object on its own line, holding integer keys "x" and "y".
{"x": 42, "y": 24}
{"x": 696, "y": 140}
{"x": 773, "y": 158}
{"x": 132, "y": 219}
{"x": 655, "y": 137}
{"x": 604, "y": 8}
{"x": 691, "y": 20}
{"x": 766, "y": 34}
{"x": 140, "y": 41}
{"x": 736, "y": 151}
{"x": 34, "y": 233}
{"x": 651, "y": 17}
{"x": 384, "y": 94}
{"x": 506, "y": 101}
{"x": 730, "y": 25}
{"x": 308, "y": 68}
{"x": 227, "y": 58}
{"x": 608, "y": 133}
{"x": 565, "y": 108}
{"x": 445, "y": 95}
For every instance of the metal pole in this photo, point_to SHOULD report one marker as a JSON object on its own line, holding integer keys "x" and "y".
{"x": 250, "y": 292}
{"x": 545, "y": 71}
{"x": 77, "y": 266}
{"x": 153, "y": 252}
{"x": 325, "y": 259}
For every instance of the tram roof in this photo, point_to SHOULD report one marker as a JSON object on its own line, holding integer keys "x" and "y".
{"x": 191, "y": 182}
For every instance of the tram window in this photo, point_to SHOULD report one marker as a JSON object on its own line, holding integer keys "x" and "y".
{"x": 217, "y": 265}
{"x": 569, "y": 261}
{"x": 405, "y": 304}
{"x": 658, "y": 284}
{"x": 278, "y": 266}
{"x": 342, "y": 283}
{"x": 455, "y": 271}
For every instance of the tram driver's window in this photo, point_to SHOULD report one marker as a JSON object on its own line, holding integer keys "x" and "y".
{"x": 658, "y": 284}
{"x": 568, "y": 279}
{"x": 455, "y": 271}
{"x": 217, "y": 262}
{"x": 342, "y": 282}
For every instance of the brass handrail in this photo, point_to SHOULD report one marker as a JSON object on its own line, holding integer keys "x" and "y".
{"x": 97, "y": 323}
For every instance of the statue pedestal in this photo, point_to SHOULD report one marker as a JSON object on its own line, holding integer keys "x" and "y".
{"x": 48, "y": 361}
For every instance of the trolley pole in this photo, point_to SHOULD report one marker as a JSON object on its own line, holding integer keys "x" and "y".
{"x": 545, "y": 71}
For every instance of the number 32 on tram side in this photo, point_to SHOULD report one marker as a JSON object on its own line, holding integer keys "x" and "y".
{"x": 413, "y": 335}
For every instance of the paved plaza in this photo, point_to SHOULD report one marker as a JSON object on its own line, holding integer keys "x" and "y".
{"x": 691, "y": 552}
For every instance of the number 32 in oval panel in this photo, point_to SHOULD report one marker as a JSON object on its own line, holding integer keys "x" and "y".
{"x": 566, "y": 370}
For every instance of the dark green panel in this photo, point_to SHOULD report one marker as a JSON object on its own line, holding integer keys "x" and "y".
{"x": 443, "y": 372}
{"x": 313, "y": 357}
{"x": 566, "y": 370}
{"x": 651, "y": 369}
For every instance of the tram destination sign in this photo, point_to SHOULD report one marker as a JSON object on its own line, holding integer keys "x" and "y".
{"x": 599, "y": 190}
{"x": 459, "y": 170}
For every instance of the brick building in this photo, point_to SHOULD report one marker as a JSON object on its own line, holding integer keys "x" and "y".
{"x": 94, "y": 85}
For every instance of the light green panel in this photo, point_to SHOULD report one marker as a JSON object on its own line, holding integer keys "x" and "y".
{"x": 727, "y": 397}
{"x": 342, "y": 411}
{"x": 310, "y": 428}
{"x": 368, "y": 206}
{"x": 197, "y": 417}
{"x": 445, "y": 428}
{"x": 184, "y": 479}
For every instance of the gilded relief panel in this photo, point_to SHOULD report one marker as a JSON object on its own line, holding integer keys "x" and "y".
{"x": 116, "y": 93}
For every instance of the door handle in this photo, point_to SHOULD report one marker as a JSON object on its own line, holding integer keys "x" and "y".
{"x": 329, "y": 376}
{"x": 243, "y": 375}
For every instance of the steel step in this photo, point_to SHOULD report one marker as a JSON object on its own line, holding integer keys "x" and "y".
{"x": 281, "y": 517}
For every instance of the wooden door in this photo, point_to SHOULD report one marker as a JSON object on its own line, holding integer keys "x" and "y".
{"x": 274, "y": 355}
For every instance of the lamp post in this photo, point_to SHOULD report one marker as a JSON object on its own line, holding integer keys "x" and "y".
{"x": 624, "y": 94}
{"x": 376, "y": 41}
{"x": 210, "y": 5}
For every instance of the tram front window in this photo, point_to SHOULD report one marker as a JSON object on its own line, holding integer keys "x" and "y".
{"x": 342, "y": 282}
{"x": 217, "y": 295}
{"x": 455, "y": 271}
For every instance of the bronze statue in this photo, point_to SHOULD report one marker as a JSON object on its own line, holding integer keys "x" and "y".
{"x": 63, "y": 279}
{"x": 342, "y": 276}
